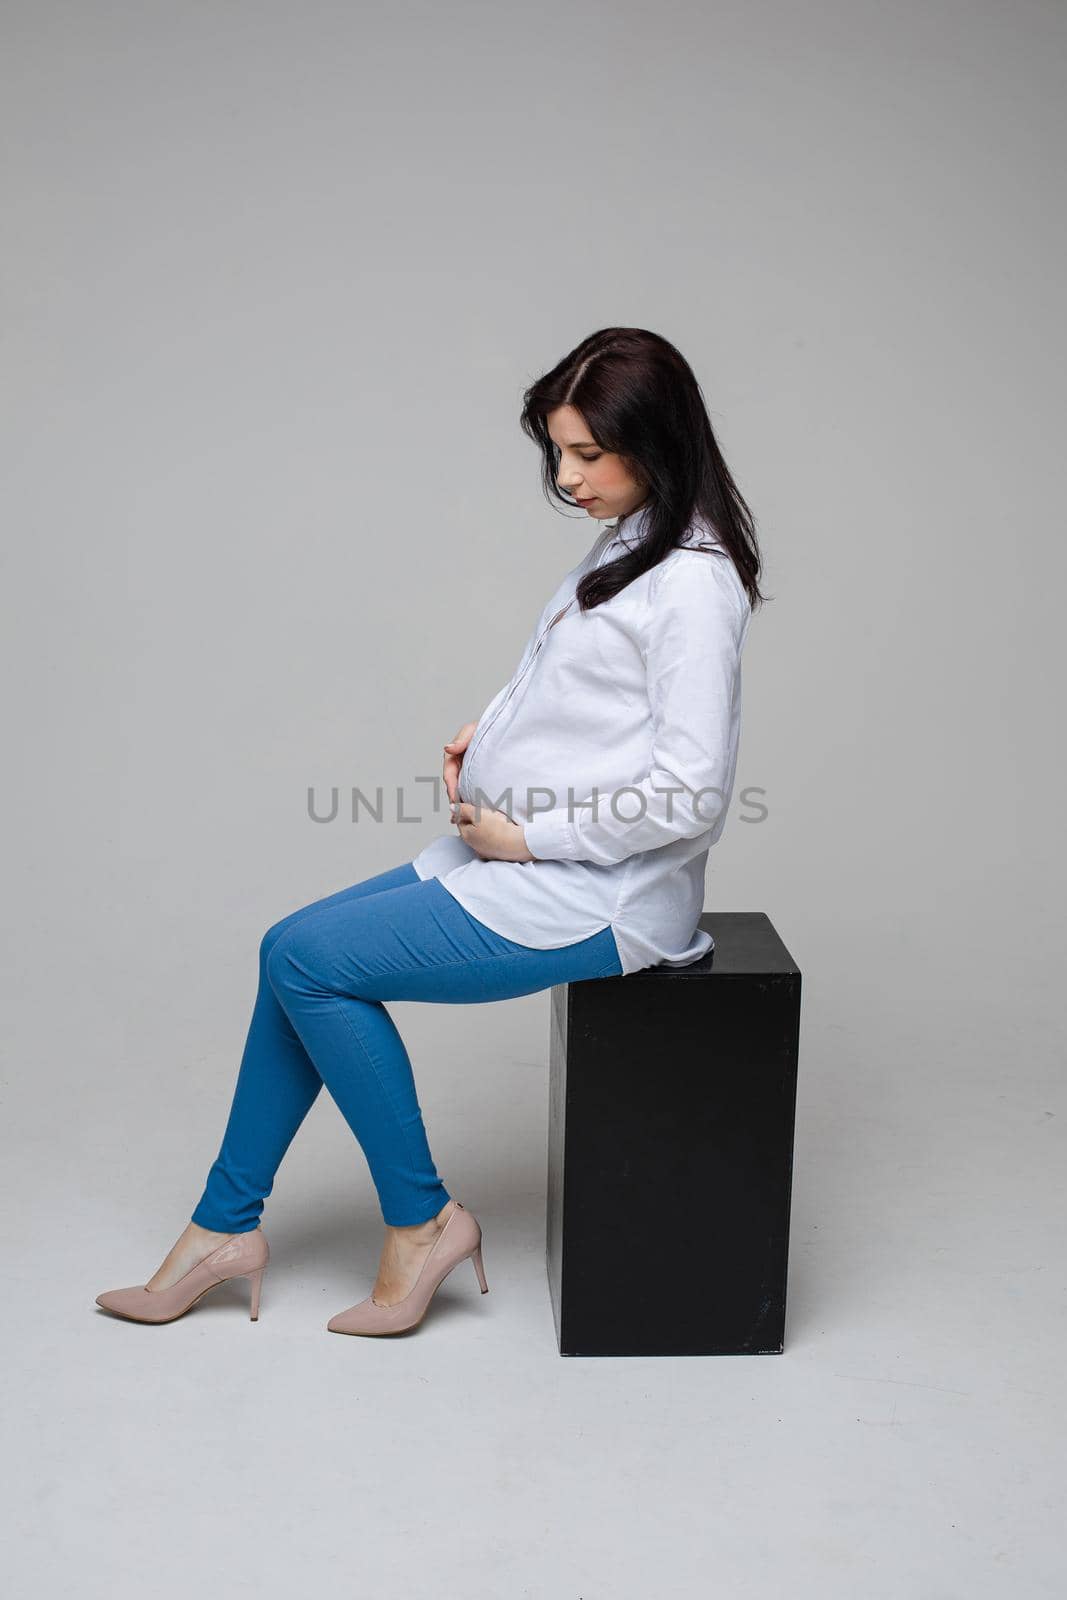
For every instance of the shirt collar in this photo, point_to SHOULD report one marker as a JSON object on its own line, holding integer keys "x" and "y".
{"x": 629, "y": 531}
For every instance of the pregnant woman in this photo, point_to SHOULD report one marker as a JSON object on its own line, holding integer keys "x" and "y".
{"x": 584, "y": 802}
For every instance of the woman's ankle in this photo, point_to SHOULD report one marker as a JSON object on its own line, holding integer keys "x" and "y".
{"x": 421, "y": 1230}
{"x": 204, "y": 1235}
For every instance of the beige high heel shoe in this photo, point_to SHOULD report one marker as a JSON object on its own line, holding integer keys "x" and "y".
{"x": 242, "y": 1255}
{"x": 460, "y": 1237}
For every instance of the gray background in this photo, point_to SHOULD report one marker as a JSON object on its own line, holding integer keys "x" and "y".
{"x": 274, "y": 280}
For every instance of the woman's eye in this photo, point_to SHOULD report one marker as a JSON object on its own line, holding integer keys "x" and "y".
{"x": 591, "y": 458}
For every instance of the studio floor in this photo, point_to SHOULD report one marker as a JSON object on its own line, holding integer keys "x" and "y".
{"x": 906, "y": 1444}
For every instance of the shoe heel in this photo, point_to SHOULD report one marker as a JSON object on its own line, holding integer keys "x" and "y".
{"x": 476, "y": 1257}
{"x": 257, "y": 1284}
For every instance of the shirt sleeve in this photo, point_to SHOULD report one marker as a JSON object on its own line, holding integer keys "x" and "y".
{"x": 694, "y": 634}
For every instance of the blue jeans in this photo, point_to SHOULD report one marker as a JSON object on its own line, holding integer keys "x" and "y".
{"x": 319, "y": 1018}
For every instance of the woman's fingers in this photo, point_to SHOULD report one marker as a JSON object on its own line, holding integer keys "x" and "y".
{"x": 462, "y": 739}
{"x": 453, "y": 756}
{"x": 451, "y": 775}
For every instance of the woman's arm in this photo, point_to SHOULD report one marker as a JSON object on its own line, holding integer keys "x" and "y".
{"x": 692, "y": 647}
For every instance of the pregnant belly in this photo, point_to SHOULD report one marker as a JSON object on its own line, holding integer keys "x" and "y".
{"x": 494, "y": 781}
{"x": 520, "y": 781}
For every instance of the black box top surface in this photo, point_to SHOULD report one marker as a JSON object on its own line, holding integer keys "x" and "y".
{"x": 746, "y": 944}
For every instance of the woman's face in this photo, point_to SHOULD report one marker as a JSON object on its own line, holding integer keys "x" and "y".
{"x": 596, "y": 478}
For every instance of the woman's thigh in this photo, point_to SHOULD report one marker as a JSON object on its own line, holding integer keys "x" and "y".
{"x": 416, "y": 942}
{"x": 392, "y": 878}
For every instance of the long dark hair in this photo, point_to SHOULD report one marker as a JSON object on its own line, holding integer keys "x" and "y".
{"x": 640, "y": 399}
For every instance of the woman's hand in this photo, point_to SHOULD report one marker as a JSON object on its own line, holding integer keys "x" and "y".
{"x": 453, "y": 760}
{"x": 491, "y": 834}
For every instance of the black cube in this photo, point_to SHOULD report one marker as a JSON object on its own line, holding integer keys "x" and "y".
{"x": 670, "y": 1159}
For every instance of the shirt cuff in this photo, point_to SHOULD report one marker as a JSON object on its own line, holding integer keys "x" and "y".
{"x": 550, "y": 836}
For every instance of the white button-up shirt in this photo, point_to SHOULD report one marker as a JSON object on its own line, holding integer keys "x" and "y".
{"x": 615, "y": 745}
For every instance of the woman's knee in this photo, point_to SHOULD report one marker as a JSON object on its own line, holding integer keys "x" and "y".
{"x": 299, "y": 952}
{"x": 278, "y": 939}
{"x": 278, "y": 929}
{"x": 275, "y": 958}
{"x": 269, "y": 940}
